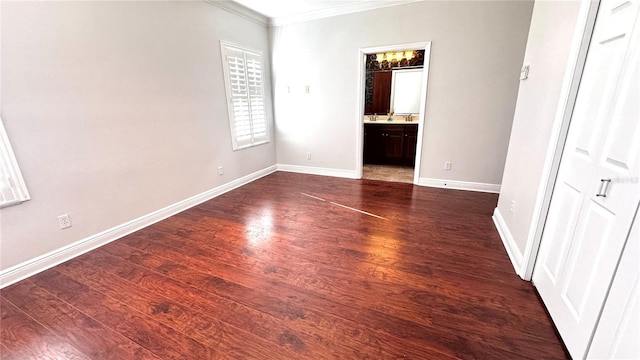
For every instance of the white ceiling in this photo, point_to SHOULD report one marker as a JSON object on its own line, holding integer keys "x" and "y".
{"x": 284, "y": 11}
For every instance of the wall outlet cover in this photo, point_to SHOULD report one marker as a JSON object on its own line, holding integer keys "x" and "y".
{"x": 64, "y": 221}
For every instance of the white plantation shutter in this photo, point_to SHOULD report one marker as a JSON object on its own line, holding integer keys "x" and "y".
{"x": 256, "y": 97}
{"x": 244, "y": 80}
{"x": 7, "y": 194}
{"x": 239, "y": 98}
{"x": 12, "y": 188}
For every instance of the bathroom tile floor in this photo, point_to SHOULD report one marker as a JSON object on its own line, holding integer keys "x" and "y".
{"x": 388, "y": 173}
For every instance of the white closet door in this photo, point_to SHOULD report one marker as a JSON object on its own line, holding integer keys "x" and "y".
{"x": 597, "y": 189}
{"x": 618, "y": 333}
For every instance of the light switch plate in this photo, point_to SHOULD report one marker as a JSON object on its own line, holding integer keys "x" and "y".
{"x": 524, "y": 73}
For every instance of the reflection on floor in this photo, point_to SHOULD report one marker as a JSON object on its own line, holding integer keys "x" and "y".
{"x": 388, "y": 173}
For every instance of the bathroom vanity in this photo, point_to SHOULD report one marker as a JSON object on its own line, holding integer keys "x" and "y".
{"x": 391, "y": 143}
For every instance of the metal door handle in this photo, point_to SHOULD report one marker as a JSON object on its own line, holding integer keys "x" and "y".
{"x": 604, "y": 187}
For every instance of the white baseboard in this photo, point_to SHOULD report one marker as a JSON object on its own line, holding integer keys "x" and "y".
{"x": 509, "y": 243}
{"x": 350, "y": 174}
{"x": 51, "y": 259}
{"x": 459, "y": 185}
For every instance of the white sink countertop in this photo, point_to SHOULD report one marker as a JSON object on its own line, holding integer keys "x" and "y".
{"x": 396, "y": 119}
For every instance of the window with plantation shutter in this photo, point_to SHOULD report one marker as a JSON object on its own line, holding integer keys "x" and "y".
{"x": 244, "y": 82}
{"x": 12, "y": 188}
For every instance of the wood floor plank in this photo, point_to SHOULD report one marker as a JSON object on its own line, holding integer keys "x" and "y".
{"x": 162, "y": 340}
{"x": 317, "y": 260}
{"x": 311, "y": 280}
{"x": 210, "y": 330}
{"x": 23, "y": 337}
{"x": 293, "y": 309}
{"x": 431, "y": 258}
{"x": 83, "y": 332}
{"x": 204, "y": 230}
{"x": 319, "y": 270}
{"x": 7, "y": 354}
{"x": 267, "y": 272}
{"x": 340, "y": 313}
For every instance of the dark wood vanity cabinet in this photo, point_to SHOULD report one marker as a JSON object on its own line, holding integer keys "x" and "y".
{"x": 390, "y": 144}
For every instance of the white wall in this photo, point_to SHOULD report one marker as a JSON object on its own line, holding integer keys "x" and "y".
{"x": 115, "y": 110}
{"x": 552, "y": 29}
{"x": 476, "y": 54}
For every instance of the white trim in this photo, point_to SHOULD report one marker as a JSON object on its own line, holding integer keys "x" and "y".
{"x": 362, "y": 63}
{"x": 312, "y": 170}
{"x": 459, "y": 185}
{"x": 423, "y": 107}
{"x": 336, "y": 10}
{"x": 573, "y": 74}
{"x": 507, "y": 239}
{"x": 51, "y": 259}
{"x": 242, "y": 11}
{"x": 426, "y": 46}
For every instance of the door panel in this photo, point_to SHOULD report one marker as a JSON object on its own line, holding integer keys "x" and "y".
{"x": 622, "y": 146}
{"x": 394, "y": 146}
{"x": 593, "y": 229}
{"x": 596, "y": 196}
{"x": 411, "y": 141}
{"x": 619, "y": 327}
{"x": 587, "y": 111}
{"x": 562, "y": 219}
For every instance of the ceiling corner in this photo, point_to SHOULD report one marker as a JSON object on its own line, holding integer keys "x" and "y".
{"x": 241, "y": 10}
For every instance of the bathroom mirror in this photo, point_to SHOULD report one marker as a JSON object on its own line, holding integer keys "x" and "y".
{"x": 406, "y": 88}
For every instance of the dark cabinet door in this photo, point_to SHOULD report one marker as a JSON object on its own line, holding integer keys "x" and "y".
{"x": 381, "y": 93}
{"x": 394, "y": 146}
{"x": 410, "y": 143}
{"x": 373, "y": 145}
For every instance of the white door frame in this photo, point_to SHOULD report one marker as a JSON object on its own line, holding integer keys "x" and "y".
{"x": 426, "y": 46}
{"x": 573, "y": 74}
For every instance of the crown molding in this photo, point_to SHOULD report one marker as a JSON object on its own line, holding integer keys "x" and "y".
{"x": 242, "y": 11}
{"x": 336, "y": 10}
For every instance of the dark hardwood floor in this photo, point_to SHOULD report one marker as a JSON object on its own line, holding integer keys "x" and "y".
{"x": 268, "y": 272}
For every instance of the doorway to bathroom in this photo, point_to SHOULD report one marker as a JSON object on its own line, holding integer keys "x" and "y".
{"x": 393, "y": 90}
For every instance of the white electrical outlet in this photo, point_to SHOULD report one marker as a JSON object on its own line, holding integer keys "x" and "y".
{"x": 308, "y": 156}
{"x": 64, "y": 221}
{"x": 306, "y": 89}
{"x": 513, "y": 206}
{"x": 447, "y": 165}
{"x": 220, "y": 170}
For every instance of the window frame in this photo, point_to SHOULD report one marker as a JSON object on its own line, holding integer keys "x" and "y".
{"x": 256, "y": 138}
{"x": 9, "y": 164}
